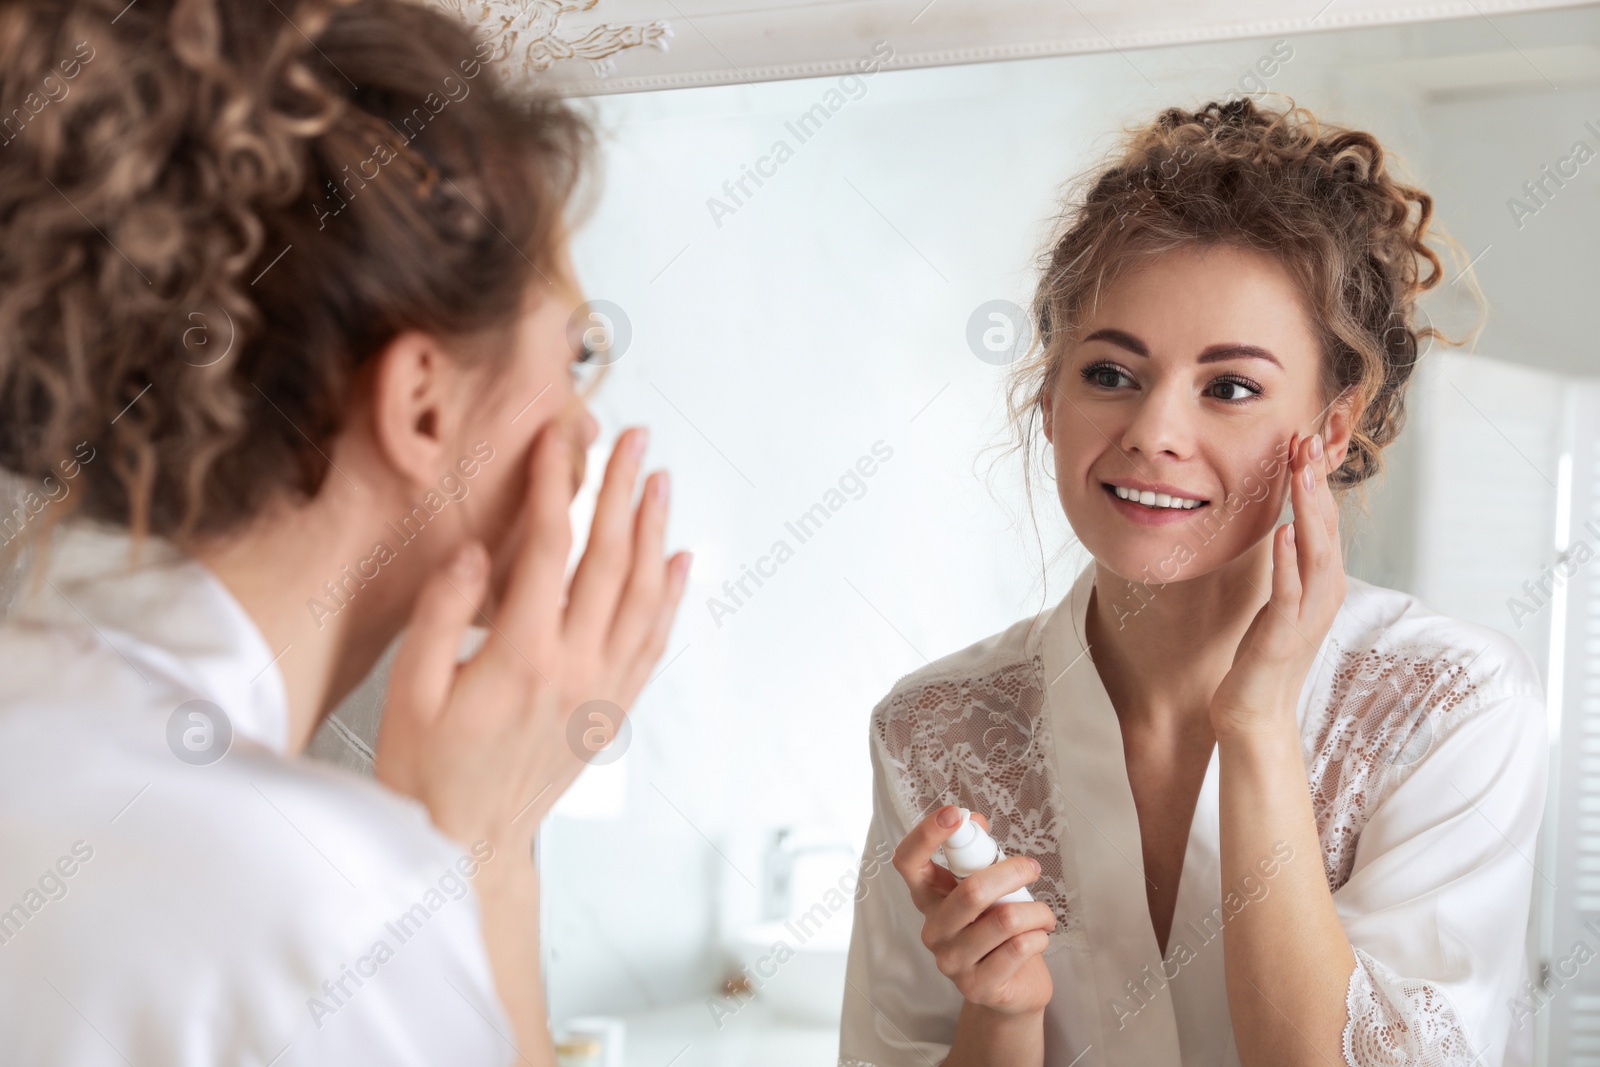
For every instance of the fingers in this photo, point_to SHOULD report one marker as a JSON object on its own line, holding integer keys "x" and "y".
{"x": 1286, "y": 570}
{"x": 1315, "y": 546}
{"x": 601, "y": 572}
{"x": 530, "y": 616}
{"x": 1000, "y": 966}
{"x": 425, "y": 665}
{"x": 963, "y": 948}
{"x": 639, "y": 609}
{"x": 656, "y": 642}
{"x": 913, "y": 857}
{"x": 1330, "y": 507}
{"x": 974, "y": 895}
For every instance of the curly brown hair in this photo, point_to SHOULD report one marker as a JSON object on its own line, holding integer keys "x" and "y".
{"x": 1317, "y": 197}
{"x": 214, "y": 212}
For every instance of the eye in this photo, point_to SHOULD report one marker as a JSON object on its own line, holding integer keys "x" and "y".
{"x": 1105, "y": 375}
{"x": 586, "y": 369}
{"x": 1234, "y": 390}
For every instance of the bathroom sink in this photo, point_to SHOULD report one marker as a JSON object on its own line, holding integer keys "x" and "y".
{"x": 796, "y": 968}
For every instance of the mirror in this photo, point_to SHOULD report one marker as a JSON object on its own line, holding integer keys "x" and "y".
{"x": 811, "y": 285}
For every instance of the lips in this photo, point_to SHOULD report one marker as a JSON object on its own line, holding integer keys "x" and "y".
{"x": 1166, "y": 505}
{"x": 1157, "y": 496}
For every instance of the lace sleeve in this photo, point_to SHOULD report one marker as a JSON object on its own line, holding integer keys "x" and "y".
{"x": 1427, "y": 757}
{"x": 1385, "y": 711}
{"x": 1400, "y": 1022}
{"x": 983, "y": 741}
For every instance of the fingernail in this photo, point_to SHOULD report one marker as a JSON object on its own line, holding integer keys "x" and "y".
{"x": 949, "y": 817}
{"x": 1316, "y": 446}
{"x": 468, "y": 561}
{"x": 1289, "y": 537}
{"x": 641, "y": 437}
{"x": 681, "y": 565}
{"x": 1037, "y": 870}
{"x": 1308, "y": 479}
{"x": 661, "y": 487}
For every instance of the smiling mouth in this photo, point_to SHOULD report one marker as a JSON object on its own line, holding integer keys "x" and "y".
{"x": 1155, "y": 501}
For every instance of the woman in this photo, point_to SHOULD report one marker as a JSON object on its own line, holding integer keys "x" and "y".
{"x": 1269, "y": 814}
{"x": 285, "y": 367}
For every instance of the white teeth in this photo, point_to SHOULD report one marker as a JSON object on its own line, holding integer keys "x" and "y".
{"x": 1156, "y": 500}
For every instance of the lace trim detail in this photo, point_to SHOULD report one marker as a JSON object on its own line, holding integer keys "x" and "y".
{"x": 983, "y": 742}
{"x": 1385, "y": 711}
{"x": 856, "y": 1063}
{"x": 1400, "y": 1022}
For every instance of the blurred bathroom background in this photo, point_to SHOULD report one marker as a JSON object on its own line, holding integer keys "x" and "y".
{"x": 784, "y": 338}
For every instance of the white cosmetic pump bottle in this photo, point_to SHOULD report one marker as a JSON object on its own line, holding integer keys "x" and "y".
{"x": 970, "y": 849}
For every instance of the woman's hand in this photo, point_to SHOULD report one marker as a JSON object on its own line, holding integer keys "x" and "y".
{"x": 992, "y": 952}
{"x": 486, "y": 744}
{"x": 1308, "y": 586}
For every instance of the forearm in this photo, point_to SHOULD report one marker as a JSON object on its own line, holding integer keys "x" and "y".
{"x": 986, "y": 1038}
{"x": 1286, "y": 957}
{"x": 510, "y": 906}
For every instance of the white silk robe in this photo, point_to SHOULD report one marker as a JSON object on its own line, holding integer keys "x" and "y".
{"x": 1426, "y": 754}
{"x": 163, "y": 911}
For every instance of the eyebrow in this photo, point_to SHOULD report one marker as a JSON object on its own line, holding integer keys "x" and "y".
{"x": 1210, "y": 354}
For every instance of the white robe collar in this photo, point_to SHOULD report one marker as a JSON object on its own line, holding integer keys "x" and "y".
{"x": 168, "y": 616}
{"x": 1140, "y": 1002}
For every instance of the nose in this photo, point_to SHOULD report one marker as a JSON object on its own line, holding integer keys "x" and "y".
{"x": 1161, "y": 422}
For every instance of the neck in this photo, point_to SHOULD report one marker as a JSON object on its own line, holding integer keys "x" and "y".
{"x": 1162, "y": 650}
{"x": 325, "y": 643}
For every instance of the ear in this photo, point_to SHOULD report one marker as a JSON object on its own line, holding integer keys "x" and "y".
{"x": 1336, "y": 430}
{"x": 415, "y": 387}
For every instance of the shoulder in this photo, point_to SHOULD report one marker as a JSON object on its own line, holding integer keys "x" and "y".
{"x": 949, "y": 730}
{"x": 999, "y": 673}
{"x": 246, "y": 884}
{"x": 1398, "y": 683}
{"x": 1387, "y": 645}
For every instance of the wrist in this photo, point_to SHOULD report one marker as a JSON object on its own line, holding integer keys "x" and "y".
{"x": 1004, "y": 1021}
{"x": 1252, "y": 726}
{"x": 986, "y": 1037}
{"x": 1260, "y": 744}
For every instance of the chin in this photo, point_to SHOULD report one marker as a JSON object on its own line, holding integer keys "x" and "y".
{"x": 1148, "y": 565}
{"x": 1161, "y": 555}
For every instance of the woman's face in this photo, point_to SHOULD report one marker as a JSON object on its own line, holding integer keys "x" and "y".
{"x": 1187, "y": 383}
{"x": 513, "y": 399}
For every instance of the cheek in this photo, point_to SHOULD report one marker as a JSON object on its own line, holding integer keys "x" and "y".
{"x": 498, "y": 518}
{"x": 1067, "y": 428}
{"x": 500, "y": 449}
{"x": 500, "y": 489}
{"x": 1076, "y": 444}
{"x": 1256, "y": 487}
{"x": 1265, "y": 476}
